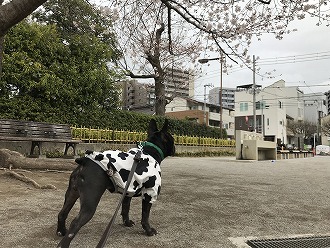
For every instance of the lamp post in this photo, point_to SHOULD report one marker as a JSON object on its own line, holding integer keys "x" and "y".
{"x": 204, "y": 61}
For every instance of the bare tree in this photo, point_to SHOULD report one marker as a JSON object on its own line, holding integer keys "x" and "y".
{"x": 229, "y": 24}
{"x": 325, "y": 126}
{"x": 304, "y": 128}
{"x": 225, "y": 26}
{"x": 145, "y": 42}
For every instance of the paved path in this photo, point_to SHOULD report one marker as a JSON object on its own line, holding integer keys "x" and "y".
{"x": 205, "y": 202}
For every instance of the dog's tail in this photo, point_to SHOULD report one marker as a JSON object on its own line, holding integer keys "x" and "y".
{"x": 81, "y": 160}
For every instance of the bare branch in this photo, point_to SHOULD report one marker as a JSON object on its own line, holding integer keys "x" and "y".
{"x": 132, "y": 75}
{"x": 264, "y": 2}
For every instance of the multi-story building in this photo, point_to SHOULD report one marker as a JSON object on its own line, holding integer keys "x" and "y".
{"x": 141, "y": 97}
{"x": 179, "y": 83}
{"x": 275, "y": 105}
{"x": 270, "y": 111}
{"x": 187, "y": 108}
{"x": 228, "y": 97}
{"x": 137, "y": 96}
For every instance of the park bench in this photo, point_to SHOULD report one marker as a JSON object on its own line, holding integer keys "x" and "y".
{"x": 37, "y": 133}
{"x": 252, "y": 146}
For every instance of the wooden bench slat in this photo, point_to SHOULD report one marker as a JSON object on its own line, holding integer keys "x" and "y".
{"x": 37, "y": 132}
{"x": 40, "y": 139}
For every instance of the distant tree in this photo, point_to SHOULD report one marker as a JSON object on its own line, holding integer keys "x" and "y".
{"x": 325, "y": 126}
{"x": 304, "y": 128}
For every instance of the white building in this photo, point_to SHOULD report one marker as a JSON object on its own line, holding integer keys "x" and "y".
{"x": 315, "y": 107}
{"x": 270, "y": 113}
{"x": 275, "y": 105}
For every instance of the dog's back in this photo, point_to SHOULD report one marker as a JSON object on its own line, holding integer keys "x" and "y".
{"x": 147, "y": 176}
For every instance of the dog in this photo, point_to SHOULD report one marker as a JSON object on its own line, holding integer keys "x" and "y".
{"x": 98, "y": 172}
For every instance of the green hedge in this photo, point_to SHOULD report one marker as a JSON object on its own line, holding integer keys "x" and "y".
{"x": 132, "y": 121}
{"x": 135, "y": 122}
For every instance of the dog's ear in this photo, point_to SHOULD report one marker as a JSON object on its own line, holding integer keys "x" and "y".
{"x": 152, "y": 127}
{"x": 165, "y": 126}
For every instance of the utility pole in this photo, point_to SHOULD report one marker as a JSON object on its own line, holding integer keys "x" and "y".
{"x": 206, "y": 85}
{"x": 254, "y": 95}
{"x": 220, "y": 97}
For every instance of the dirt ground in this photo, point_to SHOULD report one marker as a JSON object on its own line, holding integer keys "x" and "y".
{"x": 205, "y": 202}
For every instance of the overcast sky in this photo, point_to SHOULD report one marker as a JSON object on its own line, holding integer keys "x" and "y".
{"x": 310, "y": 46}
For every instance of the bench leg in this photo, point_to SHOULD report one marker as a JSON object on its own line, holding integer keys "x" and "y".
{"x": 34, "y": 145}
{"x": 68, "y": 145}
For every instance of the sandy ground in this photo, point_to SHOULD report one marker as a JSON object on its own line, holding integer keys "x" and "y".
{"x": 205, "y": 202}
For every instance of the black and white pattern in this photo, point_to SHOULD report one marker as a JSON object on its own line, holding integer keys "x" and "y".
{"x": 146, "y": 180}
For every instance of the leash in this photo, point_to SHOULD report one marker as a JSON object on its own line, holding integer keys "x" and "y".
{"x": 106, "y": 233}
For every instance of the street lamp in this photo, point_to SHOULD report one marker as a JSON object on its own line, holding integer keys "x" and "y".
{"x": 204, "y": 61}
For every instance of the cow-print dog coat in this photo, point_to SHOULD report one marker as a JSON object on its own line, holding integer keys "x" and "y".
{"x": 146, "y": 179}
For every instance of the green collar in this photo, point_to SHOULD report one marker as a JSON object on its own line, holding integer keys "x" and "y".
{"x": 146, "y": 143}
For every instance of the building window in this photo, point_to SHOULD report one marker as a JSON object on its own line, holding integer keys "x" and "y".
{"x": 280, "y": 104}
{"x": 260, "y": 105}
{"x": 243, "y": 106}
{"x": 267, "y": 121}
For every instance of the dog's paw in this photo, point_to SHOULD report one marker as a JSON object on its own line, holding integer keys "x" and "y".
{"x": 61, "y": 233}
{"x": 129, "y": 223}
{"x": 151, "y": 232}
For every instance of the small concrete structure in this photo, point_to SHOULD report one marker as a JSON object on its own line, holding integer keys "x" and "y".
{"x": 251, "y": 146}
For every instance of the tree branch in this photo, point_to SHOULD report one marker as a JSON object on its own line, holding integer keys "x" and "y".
{"x": 265, "y": 2}
{"x": 132, "y": 75}
{"x": 15, "y": 11}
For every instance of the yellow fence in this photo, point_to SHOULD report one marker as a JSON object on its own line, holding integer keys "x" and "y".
{"x": 92, "y": 135}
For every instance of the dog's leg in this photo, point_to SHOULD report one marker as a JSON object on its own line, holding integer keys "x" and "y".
{"x": 125, "y": 211}
{"x": 90, "y": 195}
{"x": 71, "y": 197}
{"x": 146, "y": 206}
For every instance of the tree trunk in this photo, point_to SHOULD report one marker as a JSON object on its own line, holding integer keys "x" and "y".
{"x": 14, "y": 160}
{"x": 2, "y": 40}
{"x": 160, "y": 103}
{"x": 15, "y": 11}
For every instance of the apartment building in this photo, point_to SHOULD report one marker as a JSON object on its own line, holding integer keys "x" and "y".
{"x": 137, "y": 96}
{"x": 275, "y": 105}
{"x": 179, "y": 82}
{"x": 140, "y": 97}
{"x": 228, "y": 97}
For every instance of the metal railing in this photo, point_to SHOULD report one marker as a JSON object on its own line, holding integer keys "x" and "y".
{"x": 96, "y": 135}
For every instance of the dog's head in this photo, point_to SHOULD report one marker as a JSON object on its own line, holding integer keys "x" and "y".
{"x": 161, "y": 138}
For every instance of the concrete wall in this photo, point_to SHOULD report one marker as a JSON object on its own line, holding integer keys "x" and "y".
{"x": 250, "y": 145}
{"x": 24, "y": 147}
